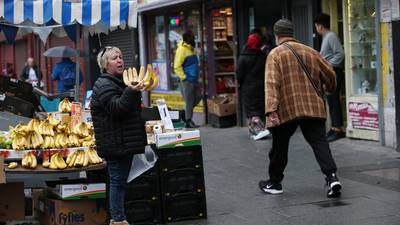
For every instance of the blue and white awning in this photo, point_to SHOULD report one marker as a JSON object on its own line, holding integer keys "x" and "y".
{"x": 110, "y": 13}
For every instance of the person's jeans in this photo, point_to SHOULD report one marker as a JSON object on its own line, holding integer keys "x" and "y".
{"x": 118, "y": 170}
{"x": 314, "y": 132}
{"x": 335, "y": 106}
{"x": 191, "y": 93}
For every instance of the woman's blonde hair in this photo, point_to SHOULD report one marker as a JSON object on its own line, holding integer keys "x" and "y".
{"x": 103, "y": 55}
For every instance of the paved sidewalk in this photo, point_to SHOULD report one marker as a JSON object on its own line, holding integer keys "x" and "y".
{"x": 234, "y": 164}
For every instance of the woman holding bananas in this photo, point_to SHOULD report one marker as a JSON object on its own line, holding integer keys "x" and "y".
{"x": 119, "y": 128}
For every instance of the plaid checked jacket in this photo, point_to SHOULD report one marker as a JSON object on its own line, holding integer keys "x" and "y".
{"x": 288, "y": 91}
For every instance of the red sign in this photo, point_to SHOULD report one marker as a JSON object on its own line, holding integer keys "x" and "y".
{"x": 363, "y": 116}
{"x": 76, "y": 113}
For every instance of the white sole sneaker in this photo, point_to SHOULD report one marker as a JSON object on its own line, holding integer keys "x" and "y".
{"x": 261, "y": 135}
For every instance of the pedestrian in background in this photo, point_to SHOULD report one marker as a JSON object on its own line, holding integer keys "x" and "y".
{"x": 250, "y": 75}
{"x": 31, "y": 73}
{"x": 118, "y": 125}
{"x": 332, "y": 51}
{"x": 294, "y": 76}
{"x": 64, "y": 73}
{"x": 186, "y": 66}
{"x": 9, "y": 71}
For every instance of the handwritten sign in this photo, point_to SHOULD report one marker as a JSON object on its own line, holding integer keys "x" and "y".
{"x": 363, "y": 116}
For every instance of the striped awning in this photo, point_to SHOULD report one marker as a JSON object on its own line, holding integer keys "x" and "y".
{"x": 111, "y": 13}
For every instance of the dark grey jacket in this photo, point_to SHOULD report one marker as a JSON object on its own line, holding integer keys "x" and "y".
{"x": 119, "y": 128}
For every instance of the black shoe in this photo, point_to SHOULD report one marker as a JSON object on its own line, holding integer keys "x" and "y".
{"x": 270, "y": 188}
{"x": 335, "y": 135}
{"x": 190, "y": 124}
{"x": 334, "y": 186}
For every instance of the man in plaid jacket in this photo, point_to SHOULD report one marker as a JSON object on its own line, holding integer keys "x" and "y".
{"x": 292, "y": 100}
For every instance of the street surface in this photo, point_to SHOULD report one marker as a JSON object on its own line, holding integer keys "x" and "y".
{"x": 234, "y": 164}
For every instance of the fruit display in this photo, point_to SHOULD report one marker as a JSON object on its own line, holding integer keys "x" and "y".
{"x": 65, "y": 106}
{"x": 149, "y": 79}
{"x": 51, "y": 134}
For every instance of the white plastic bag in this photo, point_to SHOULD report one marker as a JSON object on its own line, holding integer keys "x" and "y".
{"x": 142, "y": 162}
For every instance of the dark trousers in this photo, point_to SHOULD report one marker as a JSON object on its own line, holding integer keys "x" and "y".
{"x": 314, "y": 132}
{"x": 335, "y": 107}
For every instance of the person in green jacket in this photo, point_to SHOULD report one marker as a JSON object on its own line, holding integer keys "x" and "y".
{"x": 186, "y": 66}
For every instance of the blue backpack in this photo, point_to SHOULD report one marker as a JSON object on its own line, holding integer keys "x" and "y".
{"x": 67, "y": 76}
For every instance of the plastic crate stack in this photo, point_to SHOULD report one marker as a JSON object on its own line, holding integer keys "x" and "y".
{"x": 182, "y": 183}
{"x": 142, "y": 199}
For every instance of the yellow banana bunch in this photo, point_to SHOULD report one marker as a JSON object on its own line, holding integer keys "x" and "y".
{"x": 33, "y": 125}
{"x": 82, "y": 129}
{"x": 53, "y": 121}
{"x": 65, "y": 106}
{"x": 94, "y": 158}
{"x": 36, "y": 140}
{"x": 12, "y": 165}
{"x": 148, "y": 78}
{"x": 61, "y": 140}
{"x": 77, "y": 159}
{"x": 45, "y": 128}
{"x": 48, "y": 142}
{"x": 29, "y": 161}
{"x": 57, "y": 162}
{"x": 63, "y": 128}
{"x": 19, "y": 142}
{"x": 73, "y": 140}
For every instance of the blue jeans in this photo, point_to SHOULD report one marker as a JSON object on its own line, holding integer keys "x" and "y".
{"x": 118, "y": 170}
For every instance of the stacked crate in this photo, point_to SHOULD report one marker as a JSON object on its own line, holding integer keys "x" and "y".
{"x": 182, "y": 183}
{"x": 142, "y": 199}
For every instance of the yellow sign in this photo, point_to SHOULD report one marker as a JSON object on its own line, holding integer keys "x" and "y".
{"x": 174, "y": 101}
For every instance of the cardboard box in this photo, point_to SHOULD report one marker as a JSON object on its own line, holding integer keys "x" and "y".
{"x": 12, "y": 204}
{"x": 223, "y": 105}
{"x": 37, "y": 193}
{"x": 178, "y": 139}
{"x": 82, "y": 212}
{"x": 80, "y": 191}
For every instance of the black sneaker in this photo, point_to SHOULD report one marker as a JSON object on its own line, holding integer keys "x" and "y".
{"x": 334, "y": 186}
{"x": 270, "y": 188}
{"x": 190, "y": 124}
{"x": 335, "y": 135}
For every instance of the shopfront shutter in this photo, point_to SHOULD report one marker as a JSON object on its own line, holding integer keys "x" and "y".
{"x": 126, "y": 40}
{"x": 302, "y": 18}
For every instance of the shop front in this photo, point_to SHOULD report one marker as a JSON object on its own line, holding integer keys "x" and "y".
{"x": 362, "y": 67}
{"x": 163, "y": 23}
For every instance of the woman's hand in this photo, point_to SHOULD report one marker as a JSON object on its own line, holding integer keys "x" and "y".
{"x": 137, "y": 87}
{"x": 274, "y": 118}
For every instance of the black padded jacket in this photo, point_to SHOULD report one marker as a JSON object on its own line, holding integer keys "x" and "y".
{"x": 116, "y": 114}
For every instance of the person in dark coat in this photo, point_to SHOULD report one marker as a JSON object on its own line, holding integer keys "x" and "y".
{"x": 119, "y": 128}
{"x": 31, "y": 73}
{"x": 250, "y": 75}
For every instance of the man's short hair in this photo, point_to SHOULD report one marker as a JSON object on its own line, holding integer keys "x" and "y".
{"x": 324, "y": 20}
{"x": 188, "y": 37}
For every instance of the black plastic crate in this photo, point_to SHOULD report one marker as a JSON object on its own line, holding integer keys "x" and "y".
{"x": 143, "y": 212}
{"x": 182, "y": 181}
{"x": 144, "y": 187}
{"x": 17, "y": 106}
{"x": 189, "y": 206}
{"x": 179, "y": 158}
{"x": 222, "y": 122}
{"x": 20, "y": 89}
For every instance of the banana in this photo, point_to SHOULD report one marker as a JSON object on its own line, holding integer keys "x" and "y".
{"x": 12, "y": 165}
{"x": 82, "y": 159}
{"x": 147, "y": 77}
{"x": 125, "y": 77}
{"x": 65, "y": 106}
{"x": 59, "y": 160}
{"x": 94, "y": 158}
{"x": 46, "y": 163}
{"x": 78, "y": 159}
{"x": 130, "y": 75}
{"x": 29, "y": 160}
{"x": 73, "y": 159}
{"x": 52, "y": 120}
{"x": 69, "y": 156}
{"x": 34, "y": 161}
{"x": 24, "y": 160}
{"x": 142, "y": 75}
{"x": 155, "y": 82}
{"x": 52, "y": 162}
{"x": 136, "y": 77}
{"x": 86, "y": 159}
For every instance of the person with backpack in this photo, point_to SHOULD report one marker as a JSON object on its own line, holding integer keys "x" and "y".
{"x": 64, "y": 73}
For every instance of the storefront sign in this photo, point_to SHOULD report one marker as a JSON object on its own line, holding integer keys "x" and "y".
{"x": 363, "y": 116}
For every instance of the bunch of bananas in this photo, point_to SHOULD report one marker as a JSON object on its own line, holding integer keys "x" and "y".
{"x": 61, "y": 140}
{"x": 65, "y": 106}
{"x": 82, "y": 129}
{"x": 48, "y": 142}
{"x": 12, "y": 165}
{"x": 56, "y": 162}
{"x": 33, "y": 125}
{"x": 29, "y": 161}
{"x": 45, "y": 128}
{"x": 82, "y": 158}
{"x": 53, "y": 121}
{"x": 149, "y": 80}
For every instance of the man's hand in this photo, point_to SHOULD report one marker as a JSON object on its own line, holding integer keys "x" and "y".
{"x": 274, "y": 118}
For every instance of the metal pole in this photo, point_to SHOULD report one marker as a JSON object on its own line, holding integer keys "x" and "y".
{"x": 78, "y": 41}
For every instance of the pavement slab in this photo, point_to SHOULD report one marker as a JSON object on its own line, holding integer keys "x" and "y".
{"x": 234, "y": 164}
